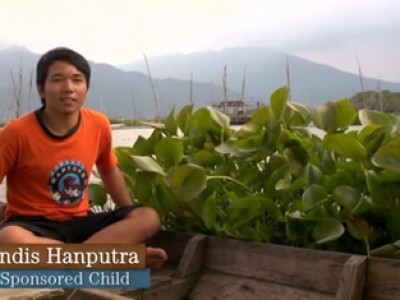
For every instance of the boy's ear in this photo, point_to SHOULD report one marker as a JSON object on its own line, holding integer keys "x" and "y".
{"x": 40, "y": 91}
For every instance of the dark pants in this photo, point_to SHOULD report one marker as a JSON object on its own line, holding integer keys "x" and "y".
{"x": 75, "y": 230}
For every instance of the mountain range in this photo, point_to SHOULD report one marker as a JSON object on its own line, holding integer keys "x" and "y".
{"x": 126, "y": 91}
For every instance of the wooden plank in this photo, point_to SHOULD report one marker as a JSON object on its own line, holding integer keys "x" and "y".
{"x": 304, "y": 268}
{"x": 160, "y": 278}
{"x": 352, "y": 279}
{"x": 97, "y": 294}
{"x": 193, "y": 257}
{"x": 216, "y": 285}
{"x": 383, "y": 278}
{"x": 172, "y": 242}
{"x": 31, "y": 294}
{"x": 177, "y": 289}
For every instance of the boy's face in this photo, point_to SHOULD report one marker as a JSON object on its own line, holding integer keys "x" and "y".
{"x": 65, "y": 89}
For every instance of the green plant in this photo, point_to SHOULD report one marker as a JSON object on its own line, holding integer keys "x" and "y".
{"x": 273, "y": 180}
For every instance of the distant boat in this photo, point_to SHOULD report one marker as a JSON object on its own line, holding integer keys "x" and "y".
{"x": 117, "y": 126}
{"x": 237, "y": 110}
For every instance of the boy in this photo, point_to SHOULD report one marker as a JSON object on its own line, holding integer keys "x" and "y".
{"x": 48, "y": 155}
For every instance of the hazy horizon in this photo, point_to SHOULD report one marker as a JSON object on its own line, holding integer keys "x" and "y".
{"x": 118, "y": 32}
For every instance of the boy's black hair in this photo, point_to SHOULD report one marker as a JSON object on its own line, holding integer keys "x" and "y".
{"x": 63, "y": 54}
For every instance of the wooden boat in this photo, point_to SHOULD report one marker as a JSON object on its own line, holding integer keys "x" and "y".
{"x": 204, "y": 267}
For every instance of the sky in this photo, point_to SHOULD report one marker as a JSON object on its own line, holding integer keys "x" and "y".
{"x": 344, "y": 34}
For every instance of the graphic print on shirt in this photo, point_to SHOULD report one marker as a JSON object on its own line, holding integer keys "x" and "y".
{"x": 68, "y": 182}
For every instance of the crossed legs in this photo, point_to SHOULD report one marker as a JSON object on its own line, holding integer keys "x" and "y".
{"x": 138, "y": 226}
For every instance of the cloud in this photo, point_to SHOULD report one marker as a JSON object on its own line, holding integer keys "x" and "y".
{"x": 120, "y": 31}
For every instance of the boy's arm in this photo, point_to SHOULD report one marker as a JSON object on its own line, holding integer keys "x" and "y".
{"x": 115, "y": 185}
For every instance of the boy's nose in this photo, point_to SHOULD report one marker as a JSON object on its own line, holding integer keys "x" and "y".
{"x": 68, "y": 84}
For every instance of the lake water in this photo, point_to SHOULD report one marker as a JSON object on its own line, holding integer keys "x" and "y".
{"x": 124, "y": 137}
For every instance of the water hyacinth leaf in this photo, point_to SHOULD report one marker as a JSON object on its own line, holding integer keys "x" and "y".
{"x": 143, "y": 189}
{"x": 346, "y": 196}
{"x": 345, "y": 145}
{"x": 385, "y": 251}
{"x": 184, "y": 119}
{"x": 364, "y": 206}
{"x": 278, "y": 102}
{"x": 368, "y": 117}
{"x": 372, "y": 137}
{"x": 123, "y": 157}
{"x": 210, "y": 121}
{"x": 368, "y": 130}
{"x": 147, "y": 164}
{"x": 283, "y": 183}
{"x": 144, "y": 146}
{"x": 388, "y": 156}
{"x": 313, "y": 195}
{"x": 209, "y": 211}
{"x": 330, "y": 182}
{"x": 345, "y": 114}
{"x": 207, "y": 159}
{"x": 324, "y": 117}
{"x": 276, "y": 176}
{"x": 271, "y": 139}
{"x": 301, "y": 116}
{"x": 280, "y": 192}
{"x": 187, "y": 182}
{"x": 197, "y": 139}
{"x": 334, "y": 116}
{"x": 327, "y": 229}
{"x": 275, "y": 161}
{"x": 375, "y": 188}
{"x": 249, "y": 144}
{"x": 129, "y": 175}
{"x": 297, "y": 157}
{"x": 219, "y": 118}
{"x": 160, "y": 126}
{"x": 225, "y": 148}
{"x": 165, "y": 201}
{"x": 243, "y": 210}
{"x": 328, "y": 164}
{"x": 312, "y": 174}
{"x": 97, "y": 194}
{"x": 169, "y": 151}
{"x": 299, "y": 107}
{"x": 296, "y": 186}
{"x": 249, "y": 176}
{"x": 395, "y": 130}
{"x": 271, "y": 208}
{"x": 171, "y": 125}
{"x": 389, "y": 176}
{"x": 248, "y": 130}
{"x": 204, "y": 128}
{"x": 201, "y": 120}
{"x": 261, "y": 116}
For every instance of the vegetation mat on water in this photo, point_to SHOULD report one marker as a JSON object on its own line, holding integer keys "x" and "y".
{"x": 272, "y": 180}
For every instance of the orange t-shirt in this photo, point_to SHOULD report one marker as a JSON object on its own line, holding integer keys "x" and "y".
{"x": 47, "y": 176}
